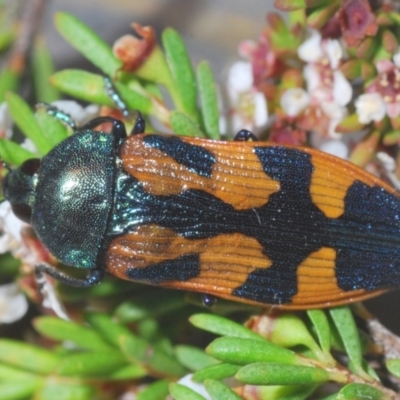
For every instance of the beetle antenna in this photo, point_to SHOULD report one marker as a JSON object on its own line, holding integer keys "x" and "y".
{"x": 115, "y": 97}
{"x": 58, "y": 114}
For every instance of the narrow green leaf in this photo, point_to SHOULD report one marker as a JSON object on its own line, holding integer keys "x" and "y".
{"x": 290, "y": 5}
{"x": 181, "y": 70}
{"x": 323, "y": 331}
{"x": 281, "y": 374}
{"x": 183, "y": 125}
{"x": 359, "y": 391}
{"x": 160, "y": 361}
{"x": 180, "y": 392}
{"x": 26, "y": 356}
{"x": 12, "y": 153}
{"x": 8, "y": 82}
{"x": 134, "y": 100}
{"x": 222, "y": 326}
{"x": 83, "y": 85}
{"x": 243, "y": 351}
{"x": 6, "y": 38}
{"x": 346, "y": 326}
{"x": 131, "y": 371}
{"x": 393, "y": 366}
{"x": 53, "y": 130}
{"x": 83, "y": 336}
{"x": 193, "y": 358}
{"x": 19, "y": 390}
{"x": 43, "y": 68}
{"x": 90, "y": 364}
{"x": 156, "y": 391}
{"x": 219, "y": 391}
{"x": 208, "y": 100}
{"x": 66, "y": 390}
{"x": 23, "y": 116}
{"x": 8, "y": 373}
{"x": 108, "y": 328}
{"x": 219, "y": 371}
{"x": 133, "y": 347}
{"x": 87, "y": 42}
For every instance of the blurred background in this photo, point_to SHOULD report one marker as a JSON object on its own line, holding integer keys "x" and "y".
{"x": 211, "y": 29}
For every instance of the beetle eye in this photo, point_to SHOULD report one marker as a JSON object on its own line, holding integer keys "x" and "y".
{"x": 23, "y": 212}
{"x": 30, "y": 167}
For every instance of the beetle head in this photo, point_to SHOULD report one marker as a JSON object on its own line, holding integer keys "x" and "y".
{"x": 19, "y": 188}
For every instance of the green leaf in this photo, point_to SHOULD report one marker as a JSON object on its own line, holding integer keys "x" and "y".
{"x": 8, "y": 373}
{"x": 318, "y": 17}
{"x": 43, "y": 68}
{"x": 182, "y": 124}
{"x": 391, "y": 138}
{"x": 181, "y": 70}
{"x": 349, "y": 124}
{"x": 8, "y": 82}
{"x": 208, "y": 100}
{"x": 66, "y": 390}
{"x": 108, "y": 328}
{"x": 219, "y": 391}
{"x": 243, "y": 351}
{"x": 219, "y": 371}
{"x": 359, "y": 391}
{"x": 223, "y": 326}
{"x": 18, "y": 390}
{"x": 193, "y": 358}
{"x": 323, "y": 331}
{"x": 90, "y": 364}
{"x": 346, "y": 326}
{"x": 367, "y": 48}
{"x": 82, "y": 85}
{"x": 281, "y": 374}
{"x": 134, "y": 100}
{"x": 393, "y": 366}
{"x": 53, "y": 130}
{"x": 12, "y": 153}
{"x": 83, "y": 337}
{"x": 180, "y": 392}
{"x": 129, "y": 372}
{"x": 155, "y": 391}
{"x": 289, "y": 5}
{"x": 23, "y": 116}
{"x": 87, "y": 42}
{"x": 26, "y": 356}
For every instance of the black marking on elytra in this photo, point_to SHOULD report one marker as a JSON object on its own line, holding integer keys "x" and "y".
{"x": 289, "y": 227}
{"x": 196, "y": 158}
{"x": 181, "y": 269}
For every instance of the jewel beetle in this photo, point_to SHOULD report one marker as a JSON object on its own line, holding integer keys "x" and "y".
{"x": 249, "y": 221}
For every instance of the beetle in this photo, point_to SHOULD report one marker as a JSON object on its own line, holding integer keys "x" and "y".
{"x": 249, "y": 221}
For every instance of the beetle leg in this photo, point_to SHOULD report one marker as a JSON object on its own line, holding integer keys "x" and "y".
{"x": 55, "y": 112}
{"x": 140, "y": 124}
{"x": 115, "y": 97}
{"x": 245, "y": 136}
{"x": 208, "y": 299}
{"x": 93, "y": 277}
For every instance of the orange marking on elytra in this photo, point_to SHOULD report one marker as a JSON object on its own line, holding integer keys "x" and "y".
{"x": 225, "y": 260}
{"x": 237, "y": 176}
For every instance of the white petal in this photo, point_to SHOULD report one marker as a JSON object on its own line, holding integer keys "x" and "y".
{"x": 240, "y": 77}
{"x": 388, "y": 162}
{"x": 336, "y": 148}
{"x": 370, "y": 107}
{"x": 334, "y": 51}
{"x": 294, "y": 101}
{"x": 312, "y": 77}
{"x": 260, "y": 110}
{"x": 27, "y": 144}
{"x": 79, "y": 114}
{"x": 6, "y": 121}
{"x": 10, "y": 224}
{"x": 342, "y": 90}
{"x": 311, "y": 49}
{"x": 196, "y": 387}
{"x": 333, "y": 110}
{"x": 13, "y": 303}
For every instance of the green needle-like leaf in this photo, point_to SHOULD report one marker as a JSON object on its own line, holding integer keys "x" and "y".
{"x": 26, "y": 121}
{"x": 223, "y": 326}
{"x": 83, "y": 337}
{"x": 394, "y": 367}
{"x": 193, "y": 358}
{"x": 180, "y": 392}
{"x": 87, "y": 42}
{"x": 183, "y": 125}
{"x": 181, "y": 70}
{"x": 66, "y": 390}
{"x": 359, "y": 391}
{"x": 208, "y": 100}
{"x": 219, "y": 371}
{"x": 53, "y": 130}
{"x": 156, "y": 391}
{"x": 8, "y": 82}
{"x": 12, "y": 153}
{"x": 219, "y": 391}
{"x": 19, "y": 389}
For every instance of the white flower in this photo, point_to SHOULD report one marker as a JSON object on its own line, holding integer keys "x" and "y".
{"x": 13, "y": 303}
{"x": 240, "y": 77}
{"x": 311, "y": 50}
{"x": 10, "y": 227}
{"x": 342, "y": 90}
{"x": 336, "y": 148}
{"x": 5, "y": 122}
{"x": 334, "y": 52}
{"x": 79, "y": 114}
{"x": 196, "y": 387}
{"x": 389, "y": 164}
{"x": 370, "y": 107}
{"x": 294, "y": 101}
